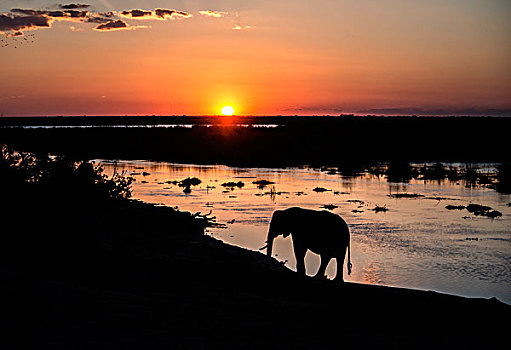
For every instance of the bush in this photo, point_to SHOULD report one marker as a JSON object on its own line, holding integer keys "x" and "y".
{"x": 60, "y": 176}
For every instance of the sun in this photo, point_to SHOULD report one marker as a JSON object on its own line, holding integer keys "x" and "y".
{"x": 227, "y": 110}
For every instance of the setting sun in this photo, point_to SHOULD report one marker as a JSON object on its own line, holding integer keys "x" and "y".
{"x": 227, "y": 110}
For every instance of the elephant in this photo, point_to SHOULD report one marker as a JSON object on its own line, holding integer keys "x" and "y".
{"x": 320, "y": 231}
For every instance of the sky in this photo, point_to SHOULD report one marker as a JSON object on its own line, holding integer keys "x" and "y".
{"x": 267, "y": 57}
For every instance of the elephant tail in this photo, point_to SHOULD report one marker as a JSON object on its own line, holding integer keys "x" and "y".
{"x": 349, "y": 256}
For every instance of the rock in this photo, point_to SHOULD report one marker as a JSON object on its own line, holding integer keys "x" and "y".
{"x": 455, "y": 207}
{"x": 493, "y": 214}
{"x": 320, "y": 189}
{"x": 190, "y": 181}
{"x": 378, "y": 209}
{"x": 474, "y": 208}
{"x": 263, "y": 183}
{"x": 405, "y": 195}
{"x": 232, "y": 184}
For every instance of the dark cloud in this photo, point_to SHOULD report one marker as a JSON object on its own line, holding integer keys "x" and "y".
{"x": 23, "y": 19}
{"x": 156, "y": 14}
{"x": 162, "y": 13}
{"x": 137, "y": 13}
{"x": 112, "y": 25}
{"x": 107, "y": 14}
{"x": 73, "y": 6}
{"x": 76, "y": 13}
{"x": 28, "y": 12}
{"x": 101, "y": 17}
{"x": 18, "y": 20}
{"x": 55, "y": 14}
{"x": 18, "y": 23}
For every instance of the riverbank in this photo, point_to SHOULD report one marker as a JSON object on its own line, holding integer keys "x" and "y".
{"x": 191, "y": 292}
{"x": 83, "y": 267}
{"x": 229, "y": 298}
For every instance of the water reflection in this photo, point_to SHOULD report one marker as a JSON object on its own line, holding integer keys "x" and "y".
{"x": 141, "y": 126}
{"x": 415, "y": 243}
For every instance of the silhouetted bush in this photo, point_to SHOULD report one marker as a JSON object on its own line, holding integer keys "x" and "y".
{"x": 66, "y": 218}
{"x": 400, "y": 172}
{"x": 49, "y": 208}
{"x": 504, "y": 178}
{"x": 61, "y": 176}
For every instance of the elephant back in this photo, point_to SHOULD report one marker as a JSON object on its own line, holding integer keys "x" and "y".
{"x": 323, "y": 232}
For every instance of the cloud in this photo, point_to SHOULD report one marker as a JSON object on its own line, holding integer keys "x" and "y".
{"x": 326, "y": 109}
{"x": 112, "y": 25}
{"x": 238, "y": 27}
{"x": 160, "y": 14}
{"x": 19, "y": 23}
{"x": 73, "y": 6}
{"x": 215, "y": 14}
{"x": 18, "y": 20}
{"x": 29, "y": 12}
{"x": 69, "y": 14}
{"x": 163, "y": 13}
{"x": 101, "y": 17}
{"x": 140, "y": 14}
{"x": 60, "y": 15}
{"x": 117, "y": 24}
{"x": 50, "y": 13}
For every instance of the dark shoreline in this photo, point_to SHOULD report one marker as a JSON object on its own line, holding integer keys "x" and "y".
{"x": 98, "y": 120}
{"x": 316, "y": 141}
{"x": 179, "y": 289}
{"x": 161, "y": 287}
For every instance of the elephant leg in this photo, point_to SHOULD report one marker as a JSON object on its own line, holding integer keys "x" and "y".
{"x": 300, "y": 258}
{"x": 322, "y": 267}
{"x": 340, "y": 268}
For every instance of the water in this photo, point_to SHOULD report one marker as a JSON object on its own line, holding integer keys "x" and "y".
{"x": 139, "y": 126}
{"x": 417, "y": 243}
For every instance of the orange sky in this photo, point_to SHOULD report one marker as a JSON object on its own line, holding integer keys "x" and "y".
{"x": 261, "y": 57}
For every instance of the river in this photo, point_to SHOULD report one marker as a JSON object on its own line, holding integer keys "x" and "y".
{"x": 414, "y": 242}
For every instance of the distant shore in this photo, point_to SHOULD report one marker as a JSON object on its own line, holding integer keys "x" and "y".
{"x": 295, "y": 141}
{"x": 97, "y": 120}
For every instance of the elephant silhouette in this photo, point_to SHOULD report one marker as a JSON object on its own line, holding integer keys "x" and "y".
{"x": 321, "y": 232}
